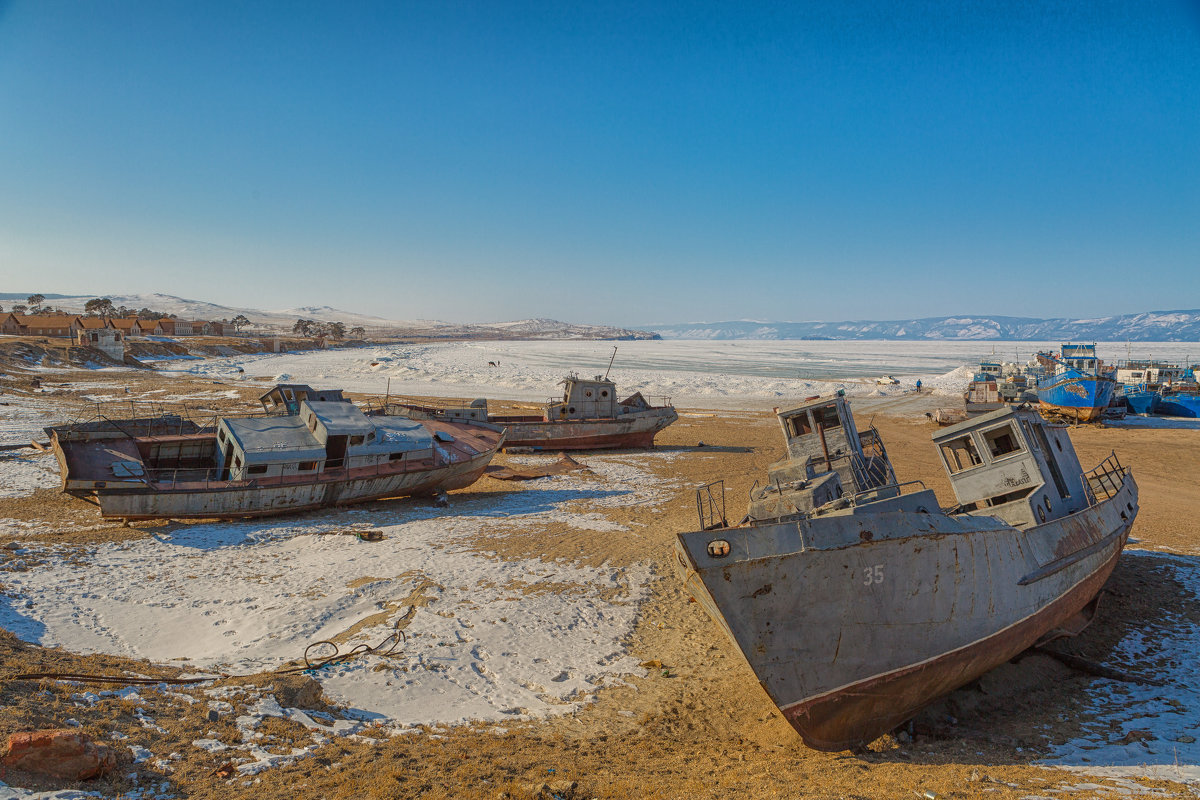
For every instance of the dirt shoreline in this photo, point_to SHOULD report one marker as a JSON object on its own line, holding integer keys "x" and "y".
{"x": 700, "y": 726}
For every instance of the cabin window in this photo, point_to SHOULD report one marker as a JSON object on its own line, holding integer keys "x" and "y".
{"x": 306, "y": 466}
{"x": 960, "y": 454}
{"x": 1001, "y": 441}
{"x": 827, "y": 417}
{"x": 395, "y": 456}
{"x": 356, "y": 439}
{"x": 371, "y": 436}
{"x": 257, "y": 469}
{"x": 312, "y": 424}
{"x": 237, "y": 462}
{"x": 799, "y": 425}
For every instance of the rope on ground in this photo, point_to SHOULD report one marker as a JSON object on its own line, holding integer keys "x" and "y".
{"x": 384, "y": 649}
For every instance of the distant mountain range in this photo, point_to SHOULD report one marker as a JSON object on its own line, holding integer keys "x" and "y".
{"x": 375, "y": 326}
{"x": 1152, "y": 326}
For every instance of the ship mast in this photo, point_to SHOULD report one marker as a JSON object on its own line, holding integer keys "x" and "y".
{"x": 610, "y": 362}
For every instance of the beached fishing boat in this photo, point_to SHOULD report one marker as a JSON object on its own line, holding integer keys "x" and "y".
{"x": 1076, "y": 385}
{"x": 983, "y": 392}
{"x": 588, "y": 417}
{"x": 1143, "y": 382}
{"x": 308, "y": 449}
{"x": 857, "y": 601}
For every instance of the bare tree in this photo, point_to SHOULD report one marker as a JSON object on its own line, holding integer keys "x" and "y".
{"x": 240, "y": 322}
{"x": 358, "y": 332}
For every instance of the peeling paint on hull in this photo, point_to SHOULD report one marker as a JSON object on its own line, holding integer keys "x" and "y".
{"x": 237, "y": 500}
{"x": 637, "y": 430}
{"x": 851, "y": 635}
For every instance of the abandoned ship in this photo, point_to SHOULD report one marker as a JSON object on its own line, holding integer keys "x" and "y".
{"x": 588, "y": 417}
{"x": 307, "y": 449}
{"x": 857, "y": 601}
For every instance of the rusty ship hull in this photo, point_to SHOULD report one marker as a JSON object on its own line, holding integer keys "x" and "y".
{"x": 635, "y": 430}
{"x": 86, "y": 464}
{"x": 854, "y": 623}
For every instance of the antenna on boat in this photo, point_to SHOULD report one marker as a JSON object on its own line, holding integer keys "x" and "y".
{"x": 610, "y": 362}
{"x": 387, "y": 395}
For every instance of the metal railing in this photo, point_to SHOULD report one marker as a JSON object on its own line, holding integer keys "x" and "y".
{"x": 899, "y": 487}
{"x": 1107, "y": 477}
{"x": 710, "y": 508}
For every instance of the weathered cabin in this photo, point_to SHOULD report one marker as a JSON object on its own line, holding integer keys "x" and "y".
{"x": 1014, "y": 465}
{"x": 1079, "y": 357}
{"x": 285, "y": 398}
{"x": 1150, "y": 373}
{"x": 827, "y": 457}
{"x": 324, "y": 435}
{"x": 585, "y": 399}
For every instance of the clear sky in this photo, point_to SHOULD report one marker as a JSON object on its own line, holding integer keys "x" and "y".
{"x": 623, "y": 163}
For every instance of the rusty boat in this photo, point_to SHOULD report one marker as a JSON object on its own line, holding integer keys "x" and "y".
{"x": 307, "y": 449}
{"x": 857, "y": 601}
{"x": 587, "y": 417}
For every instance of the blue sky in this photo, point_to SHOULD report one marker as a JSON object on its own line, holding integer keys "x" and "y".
{"x": 623, "y": 163}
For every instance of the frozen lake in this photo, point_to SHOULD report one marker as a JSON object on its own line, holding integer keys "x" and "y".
{"x": 703, "y": 374}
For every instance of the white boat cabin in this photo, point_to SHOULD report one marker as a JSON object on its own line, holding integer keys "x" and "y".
{"x": 324, "y": 435}
{"x": 1014, "y": 465}
{"x": 1150, "y": 373}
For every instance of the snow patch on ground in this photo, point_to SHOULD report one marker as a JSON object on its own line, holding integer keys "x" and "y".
{"x": 488, "y": 639}
{"x": 1140, "y": 730}
{"x": 23, "y": 472}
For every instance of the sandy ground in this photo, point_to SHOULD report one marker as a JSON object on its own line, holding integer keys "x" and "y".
{"x": 701, "y": 726}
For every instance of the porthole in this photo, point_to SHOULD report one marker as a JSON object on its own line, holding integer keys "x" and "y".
{"x": 571, "y": 410}
{"x": 1041, "y": 514}
{"x": 718, "y": 548}
{"x": 1046, "y": 500}
{"x": 587, "y": 393}
{"x": 604, "y": 392}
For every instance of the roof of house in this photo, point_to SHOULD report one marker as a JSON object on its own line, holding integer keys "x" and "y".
{"x": 125, "y": 323}
{"x": 45, "y": 320}
{"x": 94, "y": 322}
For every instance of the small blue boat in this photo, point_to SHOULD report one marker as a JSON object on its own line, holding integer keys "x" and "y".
{"x": 1075, "y": 386}
{"x": 1141, "y": 400}
{"x": 1147, "y": 384}
{"x": 1180, "y": 404}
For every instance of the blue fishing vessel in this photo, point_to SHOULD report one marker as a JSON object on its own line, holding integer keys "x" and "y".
{"x": 1180, "y": 403}
{"x": 1140, "y": 399}
{"x": 1075, "y": 384}
{"x": 1144, "y": 383}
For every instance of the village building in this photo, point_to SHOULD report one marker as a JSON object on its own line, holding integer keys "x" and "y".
{"x": 131, "y": 326}
{"x": 170, "y": 326}
{"x": 59, "y": 325}
{"x": 91, "y": 323}
{"x": 10, "y": 324}
{"x": 104, "y": 338}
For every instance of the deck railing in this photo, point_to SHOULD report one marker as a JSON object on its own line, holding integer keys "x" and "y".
{"x": 1106, "y": 478}
{"x": 710, "y": 506}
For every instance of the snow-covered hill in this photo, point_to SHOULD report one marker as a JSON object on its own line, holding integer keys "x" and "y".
{"x": 284, "y": 319}
{"x": 1152, "y": 326}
